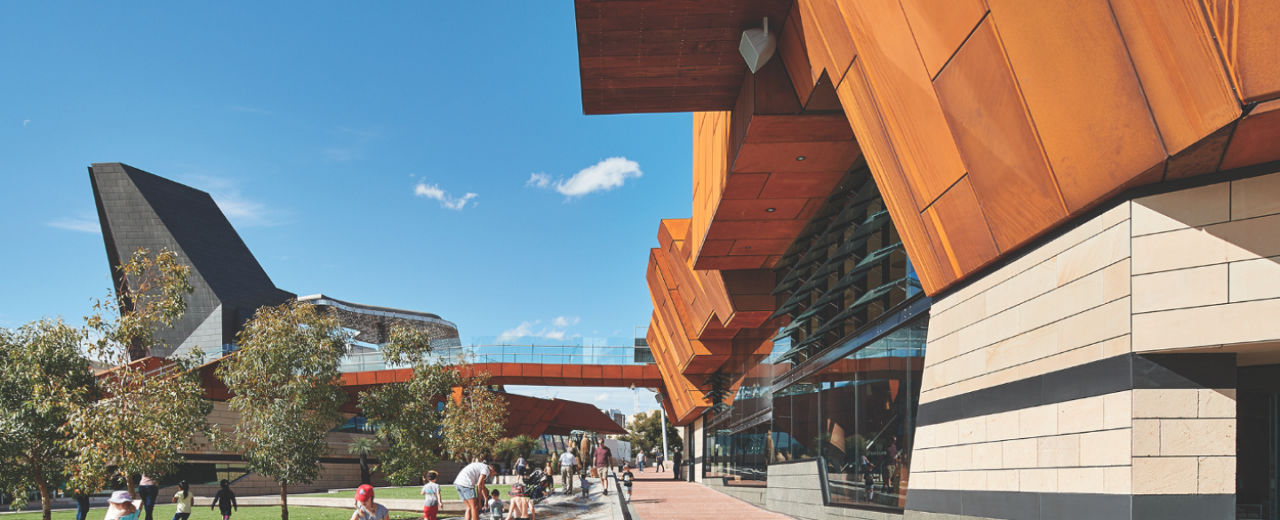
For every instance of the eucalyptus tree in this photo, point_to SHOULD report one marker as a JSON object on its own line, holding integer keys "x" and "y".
{"x": 408, "y": 416}
{"x": 474, "y": 419}
{"x": 285, "y": 381}
{"x": 43, "y": 377}
{"x": 148, "y": 411}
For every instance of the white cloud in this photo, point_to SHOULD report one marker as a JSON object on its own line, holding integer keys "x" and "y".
{"x": 432, "y": 191}
{"x": 602, "y": 176}
{"x": 563, "y": 321}
{"x": 25, "y": 122}
{"x": 81, "y": 224}
{"x": 602, "y": 397}
{"x": 538, "y": 180}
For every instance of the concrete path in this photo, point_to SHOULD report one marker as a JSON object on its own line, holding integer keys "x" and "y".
{"x": 656, "y": 496}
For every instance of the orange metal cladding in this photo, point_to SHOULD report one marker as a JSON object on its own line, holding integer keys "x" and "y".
{"x": 761, "y": 172}
{"x": 1042, "y": 110}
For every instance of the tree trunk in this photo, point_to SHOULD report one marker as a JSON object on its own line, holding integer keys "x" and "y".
{"x": 284, "y": 500}
{"x": 128, "y": 483}
{"x": 46, "y": 498}
{"x": 364, "y": 468}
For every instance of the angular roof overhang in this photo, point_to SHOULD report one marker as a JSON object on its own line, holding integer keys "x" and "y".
{"x": 665, "y": 55}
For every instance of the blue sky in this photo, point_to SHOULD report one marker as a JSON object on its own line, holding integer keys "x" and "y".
{"x": 429, "y": 156}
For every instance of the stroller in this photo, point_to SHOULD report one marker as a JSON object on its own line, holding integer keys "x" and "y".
{"x": 535, "y": 484}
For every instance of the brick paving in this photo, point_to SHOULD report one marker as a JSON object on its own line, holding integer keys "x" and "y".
{"x": 657, "y": 497}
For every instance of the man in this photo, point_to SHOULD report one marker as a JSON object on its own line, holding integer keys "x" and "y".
{"x": 640, "y": 460}
{"x": 568, "y": 467}
{"x": 600, "y": 459}
{"x": 677, "y": 458}
{"x": 470, "y": 487}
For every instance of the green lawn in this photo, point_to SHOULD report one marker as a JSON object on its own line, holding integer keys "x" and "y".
{"x": 446, "y": 491}
{"x": 165, "y": 512}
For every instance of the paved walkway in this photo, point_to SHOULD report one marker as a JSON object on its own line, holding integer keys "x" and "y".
{"x": 656, "y": 496}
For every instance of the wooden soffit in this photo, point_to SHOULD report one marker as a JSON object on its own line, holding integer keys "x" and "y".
{"x": 665, "y": 55}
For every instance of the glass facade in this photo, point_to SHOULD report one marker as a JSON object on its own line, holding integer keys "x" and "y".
{"x": 841, "y": 384}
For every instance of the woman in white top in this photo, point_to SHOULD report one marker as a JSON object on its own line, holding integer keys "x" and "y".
{"x": 185, "y": 501}
{"x": 121, "y": 506}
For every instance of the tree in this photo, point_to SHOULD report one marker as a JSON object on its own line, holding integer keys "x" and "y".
{"x": 643, "y": 432}
{"x": 512, "y": 448}
{"x": 363, "y": 447}
{"x": 285, "y": 383}
{"x": 43, "y": 378}
{"x": 407, "y": 417}
{"x": 474, "y": 420}
{"x": 149, "y": 411}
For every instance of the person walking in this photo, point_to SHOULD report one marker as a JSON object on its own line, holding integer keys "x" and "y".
{"x": 225, "y": 500}
{"x": 600, "y": 459}
{"x": 148, "y": 491}
{"x": 366, "y": 508}
{"x": 640, "y": 460}
{"x": 568, "y": 466}
{"x": 121, "y": 507}
{"x": 82, "y": 503}
{"x": 521, "y": 506}
{"x": 628, "y": 478}
{"x": 521, "y": 465}
{"x": 431, "y": 496}
{"x": 471, "y": 488}
{"x": 661, "y": 461}
{"x": 185, "y": 501}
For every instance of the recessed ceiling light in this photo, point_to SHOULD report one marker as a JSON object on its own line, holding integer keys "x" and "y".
{"x": 770, "y": 210}
{"x": 800, "y": 157}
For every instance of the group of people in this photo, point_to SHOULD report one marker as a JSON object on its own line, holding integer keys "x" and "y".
{"x": 122, "y": 505}
{"x": 477, "y": 499}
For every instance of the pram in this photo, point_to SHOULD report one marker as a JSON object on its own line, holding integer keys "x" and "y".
{"x": 535, "y": 486}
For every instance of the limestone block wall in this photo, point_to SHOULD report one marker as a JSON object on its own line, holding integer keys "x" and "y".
{"x": 1208, "y": 255}
{"x": 1094, "y": 375}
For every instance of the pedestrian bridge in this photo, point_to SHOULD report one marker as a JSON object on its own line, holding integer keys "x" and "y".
{"x": 542, "y": 365}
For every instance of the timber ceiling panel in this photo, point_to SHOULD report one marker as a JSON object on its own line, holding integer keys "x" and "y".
{"x": 1080, "y": 88}
{"x": 999, "y": 145}
{"x": 1183, "y": 77}
{"x": 910, "y": 109}
{"x": 940, "y": 27}
{"x": 665, "y": 55}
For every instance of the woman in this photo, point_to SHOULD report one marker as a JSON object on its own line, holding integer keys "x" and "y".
{"x": 121, "y": 507}
{"x": 521, "y": 506}
{"x": 185, "y": 501}
{"x": 366, "y": 509}
{"x": 225, "y": 500}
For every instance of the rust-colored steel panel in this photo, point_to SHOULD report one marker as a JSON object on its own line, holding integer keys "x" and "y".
{"x": 1182, "y": 73}
{"x": 804, "y": 156}
{"x": 727, "y": 263}
{"x": 860, "y": 107}
{"x": 735, "y": 229}
{"x": 1257, "y": 137}
{"x": 1007, "y": 168}
{"x": 1199, "y": 158}
{"x": 794, "y": 57}
{"x": 1082, "y": 93}
{"x": 754, "y": 247}
{"x": 1249, "y": 41}
{"x": 798, "y": 128}
{"x": 833, "y": 36}
{"x": 907, "y": 103}
{"x": 940, "y": 27}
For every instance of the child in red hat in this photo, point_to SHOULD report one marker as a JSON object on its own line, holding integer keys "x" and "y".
{"x": 366, "y": 509}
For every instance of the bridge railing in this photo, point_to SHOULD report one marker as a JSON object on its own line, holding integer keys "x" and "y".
{"x": 367, "y": 360}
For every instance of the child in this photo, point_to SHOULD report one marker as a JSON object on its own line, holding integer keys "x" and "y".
{"x": 185, "y": 501}
{"x": 521, "y": 506}
{"x": 431, "y": 497}
{"x": 584, "y": 484}
{"x": 627, "y": 477}
{"x": 495, "y": 505}
{"x": 225, "y": 500}
{"x": 121, "y": 507}
{"x": 366, "y": 508}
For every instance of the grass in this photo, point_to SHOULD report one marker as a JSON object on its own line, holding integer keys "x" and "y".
{"x": 447, "y": 492}
{"x": 165, "y": 512}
